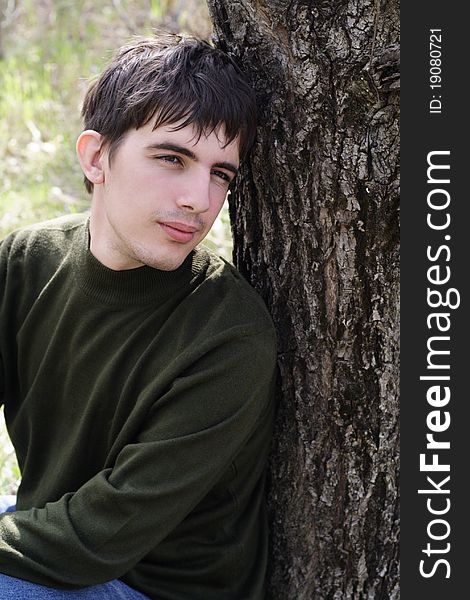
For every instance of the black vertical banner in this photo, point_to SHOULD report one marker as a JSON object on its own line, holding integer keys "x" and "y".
{"x": 435, "y": 403}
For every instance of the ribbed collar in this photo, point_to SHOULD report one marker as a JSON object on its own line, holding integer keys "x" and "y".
{"x": 134, "y": 286}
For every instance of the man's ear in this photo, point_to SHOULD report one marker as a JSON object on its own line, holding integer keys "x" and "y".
{"x": 90, "y": 155}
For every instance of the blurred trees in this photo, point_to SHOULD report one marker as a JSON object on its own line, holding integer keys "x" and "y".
{"x": 51, "y": 48}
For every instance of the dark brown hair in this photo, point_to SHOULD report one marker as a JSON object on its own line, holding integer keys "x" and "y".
{"x": 170, "y": 78}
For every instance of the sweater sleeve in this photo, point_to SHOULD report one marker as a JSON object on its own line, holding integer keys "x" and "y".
{"x": 192, "y": 435}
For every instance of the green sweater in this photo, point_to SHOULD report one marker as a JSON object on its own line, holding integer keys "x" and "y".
{"x": 140, "y": 406}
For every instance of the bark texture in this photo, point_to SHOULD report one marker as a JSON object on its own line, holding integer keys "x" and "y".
{"x": 315, "y": 225}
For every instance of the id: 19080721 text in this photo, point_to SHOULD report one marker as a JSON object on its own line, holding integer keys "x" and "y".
{"x": 435, "y": 71}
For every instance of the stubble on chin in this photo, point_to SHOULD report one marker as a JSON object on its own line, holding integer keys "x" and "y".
{"x": 163, "y": 261}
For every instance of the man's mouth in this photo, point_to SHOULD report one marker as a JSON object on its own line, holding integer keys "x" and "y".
{"x": 181, "y": 232}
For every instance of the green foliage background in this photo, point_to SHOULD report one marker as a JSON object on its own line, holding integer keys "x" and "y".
{"x": 49, "y": 50}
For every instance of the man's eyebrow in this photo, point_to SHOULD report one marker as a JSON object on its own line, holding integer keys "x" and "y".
{"x": 228, "y": 166}
{"x": 172, "y": 147}
{"x": 186, "y": 152}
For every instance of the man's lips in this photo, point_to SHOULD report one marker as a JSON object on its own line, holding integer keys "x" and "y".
{"x": 181, "y": 226}
{"x": 181, "y": 232}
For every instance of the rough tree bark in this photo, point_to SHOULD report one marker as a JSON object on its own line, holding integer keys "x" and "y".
{"x": 315, "y": 224}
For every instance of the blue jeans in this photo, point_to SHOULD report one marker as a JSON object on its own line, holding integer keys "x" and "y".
{"x": 19, "y": 589}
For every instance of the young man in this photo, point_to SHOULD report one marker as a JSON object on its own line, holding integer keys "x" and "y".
{"x": 137, "y": 369}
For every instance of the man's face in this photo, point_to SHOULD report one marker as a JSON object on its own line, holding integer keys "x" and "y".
{"x": 160, "y": 196}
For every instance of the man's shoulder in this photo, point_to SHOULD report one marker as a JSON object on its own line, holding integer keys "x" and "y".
{"x": 57, "y": 227}
{"x": 48, "y": 238}
{"x": 227, "y": 297}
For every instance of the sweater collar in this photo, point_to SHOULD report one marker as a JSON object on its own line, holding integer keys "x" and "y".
{"x": 143, "y": 285}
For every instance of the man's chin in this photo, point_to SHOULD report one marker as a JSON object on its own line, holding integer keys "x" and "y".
{"x": 167, "y": 263}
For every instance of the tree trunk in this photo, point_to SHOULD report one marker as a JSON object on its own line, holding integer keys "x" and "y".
{"x": 315, "y": 225}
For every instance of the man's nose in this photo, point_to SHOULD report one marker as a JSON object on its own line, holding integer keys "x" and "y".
{"x": 195, "y": 193}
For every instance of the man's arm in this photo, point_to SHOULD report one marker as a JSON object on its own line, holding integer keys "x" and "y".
{"x": 193, "y": 433}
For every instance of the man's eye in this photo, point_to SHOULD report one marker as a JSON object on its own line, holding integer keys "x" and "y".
{"x": 173, "y": 160}
{"x": 223, "y": 176}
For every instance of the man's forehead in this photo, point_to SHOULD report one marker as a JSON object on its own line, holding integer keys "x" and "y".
{"x": 192, "y": 138}
{"x": 194, "y": 133}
